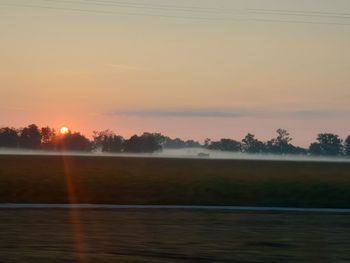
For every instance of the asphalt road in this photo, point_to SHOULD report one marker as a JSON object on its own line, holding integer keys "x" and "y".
{"x": 177, "y": 207}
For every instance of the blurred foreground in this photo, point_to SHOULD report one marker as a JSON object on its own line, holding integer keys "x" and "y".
{"x": 171, "y": 236}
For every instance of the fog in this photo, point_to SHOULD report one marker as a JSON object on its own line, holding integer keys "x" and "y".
{"x": 211, "y": 154}
{"x": 188, "y": 153}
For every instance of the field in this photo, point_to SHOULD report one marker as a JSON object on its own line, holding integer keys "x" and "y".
{"x": 40, "y": 236}
{"x": 161, "y": 235}
{"x": 123, "y": 180}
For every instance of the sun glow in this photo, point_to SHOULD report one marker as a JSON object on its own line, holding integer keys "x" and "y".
{"x": 64, "y": 130}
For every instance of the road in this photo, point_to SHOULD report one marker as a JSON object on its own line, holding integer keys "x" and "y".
{"x": 177, "y": 207}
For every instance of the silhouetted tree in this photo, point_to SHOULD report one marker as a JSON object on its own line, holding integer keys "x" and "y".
{"x": 281, "y": 144}
{"x": 316, "y": 149}
{"x": 327, "y": 144}
{"x": 30, "y": 137}
{"x": 146, "y": 143}
{"x": 207, "y": 142}
{"x": 192, "y": 144}
{"x": 73, "y": 142}
{"x": 107, "y": 141}
{"x": 176, "y": 143}
{"x": 252, "y": 145}
{"x": 298, "y": 150}
{"x": 48, "y": 138}
{"x": 227, "y": 145}
{"x": 347, "y": 146}
{"x": 9, "y": 137}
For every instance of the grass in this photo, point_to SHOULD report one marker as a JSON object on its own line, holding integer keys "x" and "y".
{"x": 123, "y": 180}
{"x": 101, "y": 236}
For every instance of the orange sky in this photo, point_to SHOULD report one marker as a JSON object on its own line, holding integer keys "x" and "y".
{"x": 165, "y": 70}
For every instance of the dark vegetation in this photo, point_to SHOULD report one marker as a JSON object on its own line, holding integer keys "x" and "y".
{"x": 45, "y": 138}
{"x": 171, "y": 236}
{"x": 127, "y": 180}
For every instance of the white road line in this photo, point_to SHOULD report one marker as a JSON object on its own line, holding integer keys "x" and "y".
{"x": 178, "y": 207}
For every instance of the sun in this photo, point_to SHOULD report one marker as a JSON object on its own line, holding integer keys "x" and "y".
{"x": 64, "y": 130}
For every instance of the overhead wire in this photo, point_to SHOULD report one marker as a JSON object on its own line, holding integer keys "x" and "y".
{"x": 300, "y": 11}
{"x": 162, "y": 5}
{"x": 191, "y": 12}
{"x": 170, "y": 9}
{"x": 109, "y": 12}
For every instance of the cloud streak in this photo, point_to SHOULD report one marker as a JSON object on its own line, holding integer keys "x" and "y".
{"x": 227, "y": 113}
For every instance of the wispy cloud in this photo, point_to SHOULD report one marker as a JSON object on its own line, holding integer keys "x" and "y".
{"x": 200, "y": 113}
{"x": 227, "y": 113}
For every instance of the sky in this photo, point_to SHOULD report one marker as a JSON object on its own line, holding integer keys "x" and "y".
{"x": 191, "y": 69}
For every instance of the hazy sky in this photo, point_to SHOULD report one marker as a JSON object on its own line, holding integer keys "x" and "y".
{"x": 193, "y": 69}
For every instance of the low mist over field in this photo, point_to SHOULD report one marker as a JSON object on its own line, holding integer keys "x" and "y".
{"x": 189, "y": 153}
{"x": 211, "y": 154}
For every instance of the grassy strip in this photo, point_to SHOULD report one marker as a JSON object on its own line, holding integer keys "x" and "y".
{"x": 121, "y": 180}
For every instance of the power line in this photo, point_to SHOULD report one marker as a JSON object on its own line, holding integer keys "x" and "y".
{"x": 231, "y": 18}
{"x": 300, "y": 12}
{"x": 110, "y": 12}
{"x": 162, "y": 5}
{"x": 209, "y": 10}
{"x": 299, "y": 22}
{"x": 230, "y": 11}
{"x": 302, "y": 15}
{"x": 152, "y": 7}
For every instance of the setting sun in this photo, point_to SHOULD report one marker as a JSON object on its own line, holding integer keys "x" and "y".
{"x": 64, "y": 130}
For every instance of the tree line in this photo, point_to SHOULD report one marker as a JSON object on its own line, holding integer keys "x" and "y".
{"x": 326, "y": 144}
{"x": 46, "y": 138}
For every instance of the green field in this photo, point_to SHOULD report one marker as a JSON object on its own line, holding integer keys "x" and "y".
{"x": 106, "y": 236}
{"x": 123, "y": 180}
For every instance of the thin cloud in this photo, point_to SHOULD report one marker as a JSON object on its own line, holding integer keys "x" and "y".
{"x": 180, "y": 113}
{"x": 227, "y": 113}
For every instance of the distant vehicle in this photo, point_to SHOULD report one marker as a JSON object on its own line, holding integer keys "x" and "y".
{"x": 203, "y": 155}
